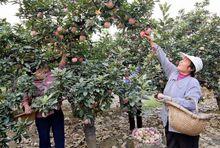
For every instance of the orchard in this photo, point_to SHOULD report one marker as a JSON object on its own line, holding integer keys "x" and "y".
{"x": 94, "y": 70}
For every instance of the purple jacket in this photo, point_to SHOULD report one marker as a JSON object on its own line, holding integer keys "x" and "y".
{"x": 180, "y": 90}
{"x": 42, "y": 87}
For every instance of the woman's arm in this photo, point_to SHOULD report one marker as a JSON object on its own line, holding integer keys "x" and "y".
{"x": 189, "y": 100}
{"x": 167, "y": 66}
{"x": 25, "y": 103}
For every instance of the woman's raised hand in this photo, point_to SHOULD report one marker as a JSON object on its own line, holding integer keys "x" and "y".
{"x": 146, "y": 34}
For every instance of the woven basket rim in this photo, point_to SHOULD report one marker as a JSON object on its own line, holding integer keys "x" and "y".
{"x": 24, "y": 114}
{"x": 193, "y": 115}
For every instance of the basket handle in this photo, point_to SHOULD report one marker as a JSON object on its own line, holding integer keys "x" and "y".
{"x": 196, "y": 104}
{"x": 168, "y": 98}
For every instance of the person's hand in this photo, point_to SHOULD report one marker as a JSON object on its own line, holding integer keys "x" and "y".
{"x": 27, "y": 109}
{"x": 146, "y": 32}
{"x": 142, "y": 34}
{"x": 162, "y": 98}
{"x": 159, "y": 97}
{"x": 149, "y": 39}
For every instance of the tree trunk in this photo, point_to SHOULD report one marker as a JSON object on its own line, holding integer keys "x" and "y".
{"x": 217, "y": 96}
{"x": 90, "y": 135}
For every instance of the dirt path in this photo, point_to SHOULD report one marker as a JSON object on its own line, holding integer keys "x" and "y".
{"x": 113, "y": 129}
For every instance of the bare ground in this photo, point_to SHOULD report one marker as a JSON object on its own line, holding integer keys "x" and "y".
{"x": 112, "y": 128}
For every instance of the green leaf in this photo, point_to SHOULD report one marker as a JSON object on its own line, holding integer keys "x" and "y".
{"x": 85, "y": 93}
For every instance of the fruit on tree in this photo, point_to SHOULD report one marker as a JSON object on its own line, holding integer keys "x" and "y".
{"x": 40, "y": 15}
{"x": 131, "y": 21}
{"x": 59, "y": 29}
{"x": 109, "y": 4}
{"x": 82, "y": 38}
{"x": 107, "y": 24}
{"x": 56, "y": 33}
{"x": 33, "y": 33}
{"x": 74, "y": 60}
{"x": 73, "y": 29}
{"x": 81, "y": 59}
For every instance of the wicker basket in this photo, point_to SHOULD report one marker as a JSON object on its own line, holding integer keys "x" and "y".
{"x": 23, "y": 116}
{"x": 186, "y": 122}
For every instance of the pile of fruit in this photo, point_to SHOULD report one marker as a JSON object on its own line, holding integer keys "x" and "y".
{"x": 149, "y": 136}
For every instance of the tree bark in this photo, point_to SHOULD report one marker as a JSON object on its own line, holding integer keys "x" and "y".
{"x": 90, "y": 135}
{"x": 217, "y": 96}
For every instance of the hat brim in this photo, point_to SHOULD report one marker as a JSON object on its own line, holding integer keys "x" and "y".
{"x": 191, "y": 58}
{"x": 186, "y": 55}
{"x": 183, "y": 55}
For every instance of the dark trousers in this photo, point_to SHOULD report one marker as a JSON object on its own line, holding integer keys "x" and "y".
{"x": 56, "y": 122}
{"x": 178, "y": 140}
{"x": 131, "y": 117}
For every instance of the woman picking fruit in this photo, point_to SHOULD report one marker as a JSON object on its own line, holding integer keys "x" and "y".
{"x": 181, "y": 88}
{"x": 54, "y": 119}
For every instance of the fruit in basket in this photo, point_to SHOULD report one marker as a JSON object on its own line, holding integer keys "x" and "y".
{"x": 147, "y": 135}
